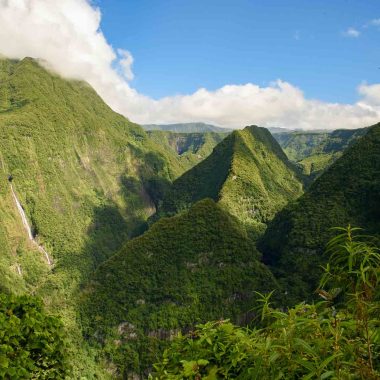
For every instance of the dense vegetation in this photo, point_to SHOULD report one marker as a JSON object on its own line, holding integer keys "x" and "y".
{"x": 186, "y": 128}
{"x": 194, "y": 267}
{"x": 316, "y": 151}
{"x": 348, "y": 192}
{"x": 192, "y": 148}
{"x": 86, "y": 177}
{"x": 31, "y": 343}
{"x": 247, "y": 173}
{"x": 88, "y": 180}
{"x": 337, "y": 338}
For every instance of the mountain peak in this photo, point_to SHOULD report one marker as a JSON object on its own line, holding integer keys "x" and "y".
{"x": 348, "y": 192}
{"x": 247, "y": 173}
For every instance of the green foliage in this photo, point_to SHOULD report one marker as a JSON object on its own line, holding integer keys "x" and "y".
{"x": 81, "y": 173}
{"x": 88, "y": 179}
{"x": 319, "y": 341}
{"x": 346, "y": 193}
{"x": 354, "y": 263}
{"x": 247, "y": 173}
{"x": 187, "y": 269}
{"x": 316, "y": 164}
{"x": 299, "y": 145}
{"x": 316, "y": 151}
{"x": 191, "y": 148}
{"x": 31, "y": 343}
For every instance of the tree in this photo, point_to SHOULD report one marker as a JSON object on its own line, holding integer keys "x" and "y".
{"x": 31, "y": 342}
{"x": 337, "y": 338}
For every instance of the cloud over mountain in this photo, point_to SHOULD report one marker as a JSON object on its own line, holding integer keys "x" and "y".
{"x": 66, "y": 34}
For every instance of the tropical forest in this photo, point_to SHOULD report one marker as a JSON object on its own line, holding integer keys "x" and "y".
{"x": 186, "y": 228}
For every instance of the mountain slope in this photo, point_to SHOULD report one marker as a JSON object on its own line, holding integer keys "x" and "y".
{"x": 81, "y": 172}
{"x": 187, "y": 269}
{"x": 348, "y": 192}
{"x": 74, "y": 161}
{"x": 186, "y": 128}
{"x": 191, "y": 148}
{"x": 247, "y": 173}
{"x": 315, "y": 151}
{"x": 299, "y": 145}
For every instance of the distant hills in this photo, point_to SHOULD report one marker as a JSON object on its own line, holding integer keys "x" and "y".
{"x": 247, "y": 173}
{"x": 186, "y": 128}
{"x": 314, "y": 151}
{"x": 348, "y": 192}
{"x": 190, "y": 148}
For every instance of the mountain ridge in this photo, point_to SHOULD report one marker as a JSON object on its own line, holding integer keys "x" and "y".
{"x": 315, "y": 151}
{"x": 184, "y": 270}
{"x": 348, "y": 192}
{"x": 195, "y": 127}
{"x": 237, "y": 175}
{"x": 81, "y": 173}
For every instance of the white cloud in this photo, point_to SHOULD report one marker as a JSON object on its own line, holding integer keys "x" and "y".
{"x": 66, "y": 34}
{"x": 375, "y": 22}
{"x": 370, "y": 94}
{"x": 352, "y": 32}
{"x": 125, "y": 62}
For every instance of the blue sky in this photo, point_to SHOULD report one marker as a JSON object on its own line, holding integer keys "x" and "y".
{"x": 180, "y": 46}
{"x": 294, "y": 64}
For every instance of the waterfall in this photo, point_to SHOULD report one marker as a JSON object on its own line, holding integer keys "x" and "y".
{"x": 28, "y": 228}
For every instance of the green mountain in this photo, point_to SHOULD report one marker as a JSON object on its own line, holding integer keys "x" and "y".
{"x": 247, "y": 173}
{"x": 186, "y": 128}
{"x": 82, "y": 174}
{"x": 346, "y": 193}
{"x": 78, "y": 167}
{"x": 78, "y": 183}
{"x": 190, "y": 147}
{"x": 298, "y": 144}
{"x": 186, "y": 269}
{"x": 315, "y": 151}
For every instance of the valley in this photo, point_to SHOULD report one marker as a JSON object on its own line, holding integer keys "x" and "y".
{"x": 131, "y": 237}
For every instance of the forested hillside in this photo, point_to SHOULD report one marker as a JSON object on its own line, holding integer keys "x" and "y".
{"x": 228, "y": 217}
{"x": 81, "y": 172}
{"x": 347, "y": 193}
{"x": 336, "y": 337}
{"x": 316, "y": 151}
{"x": 191, "y": 148}
{"x": 247, "y": 173}
{"x": 187, "y": 269}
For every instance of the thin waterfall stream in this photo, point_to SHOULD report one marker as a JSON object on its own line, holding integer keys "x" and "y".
{"x": 28, "y": 228}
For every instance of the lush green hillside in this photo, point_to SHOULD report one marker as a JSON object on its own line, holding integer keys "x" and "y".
{"x": 190, "y": 268}
{"x": 186, "y": 128}
{"x": 348, "y": 192}
{"x": 298, "y": 145}
{"x": 88, "y": 179}
{"x": 337, "y": 338}
{"x": 316, "y": 151}
{"x": 247, "y": 173}
{"x": 82, "y": 174}
{"x": 190, "y": 147}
